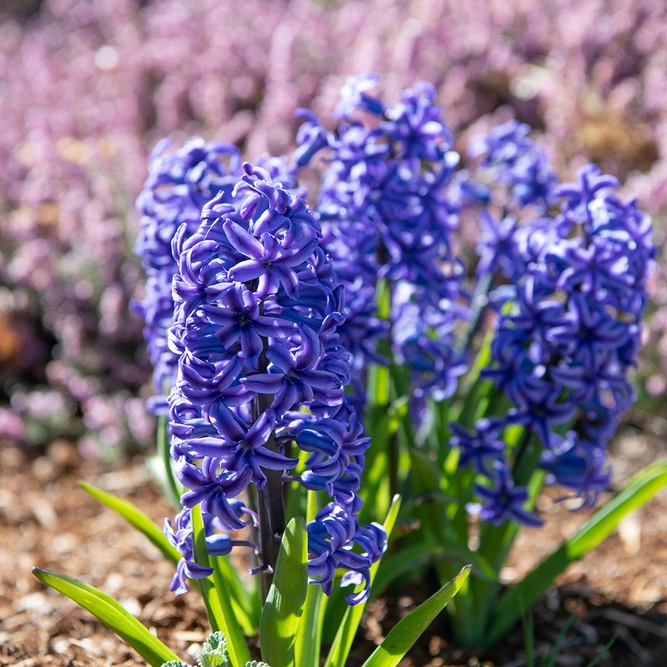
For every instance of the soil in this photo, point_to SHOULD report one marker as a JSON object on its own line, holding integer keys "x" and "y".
{"x": 47, "y": 521}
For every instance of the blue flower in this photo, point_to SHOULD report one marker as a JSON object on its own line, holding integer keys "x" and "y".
{"x": 353, "y": 96}
{"x": 179, "y": 534}
{"x": 331, "y": 540}
{"x": 516, "y": 162}
{"x": 503, "y": 501}
{"x": 293, "y": 377}
{"x": 179, "y": 184}
{"x": 578, "y": 466}
{"x": 480, "y": 447}
{"x": 236, "y": 317}
{"x": 567, "y": 337}
{"x": 213, "y": 487}
{"x": 238, "y": 446}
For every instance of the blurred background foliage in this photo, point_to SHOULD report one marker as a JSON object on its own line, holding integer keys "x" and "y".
{"x": 87, "y": 87}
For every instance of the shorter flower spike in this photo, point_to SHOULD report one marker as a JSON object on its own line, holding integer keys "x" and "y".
{"x": 179, "y": 184}
{"x": 569, "y": 323}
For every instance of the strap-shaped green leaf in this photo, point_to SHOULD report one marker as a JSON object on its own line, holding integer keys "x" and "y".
{"x": 168, "y": 479}
{"x": 406, "y": 560}
{"x": 242, "y": 595}
{"x": 342, "y": 643}
{"x": 216, "y": 597}
{"x": 284, "y": 604}
{"x": 406, "y": 632}
{"x": 136, "y": 518}
{"x": 382, "y": 425}
{"x": 418, "y": 555}
{"x": 109, "y": 612}
{"x": 641, "y": 488}
{"x": 309, "y": 637}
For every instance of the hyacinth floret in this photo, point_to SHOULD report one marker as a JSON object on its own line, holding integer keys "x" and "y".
{"x": 354, "y": 96}
{"x": 261, "y": 372}
{"x": 180, "y": 536}
{"x": 513, "y": 160}
{"x": 481, "y": 447}
{"x": 503, "y": 501}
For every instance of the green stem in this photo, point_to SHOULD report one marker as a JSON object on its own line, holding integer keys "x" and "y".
{"x": 171, "y": 485}
{"x": 270, "y": 499}
{"x": 496, "y": 541}
{"x": 479, "y": 302}
{"x": 271, "y": 508}
{"x": 378, "y": 401}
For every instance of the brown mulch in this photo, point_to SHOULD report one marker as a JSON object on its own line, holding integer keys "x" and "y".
{"x": 46, "y": 521}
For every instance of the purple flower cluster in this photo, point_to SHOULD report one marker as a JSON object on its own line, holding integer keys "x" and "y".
{"x": 514, "y": 161}
{"x": 180, "y": 182}
{"x": 387, "y": 215}
{"x": 568, "y": 333}
{"x": 180, "y": 535}
{"x": 261, "y": 373}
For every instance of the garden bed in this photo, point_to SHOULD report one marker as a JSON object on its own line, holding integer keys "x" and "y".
{"x": 47, "y": 521}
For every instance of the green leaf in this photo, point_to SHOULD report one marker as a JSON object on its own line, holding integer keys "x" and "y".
{"x": 555, "y": 651}
{"x": 109, "y": 612}
{"x": 216, "y": 597}
{"x": 168, "y": 479}
{"x": 528, "y": 637}
{"x": 242, "y": 595}
{"x": 279, "y": 623}
{"x": 136, "y": 518}
{"x": 603, "y": 652}
{"x": 422, "y": 553}
{"x": 382, "y": 424}
{"x": 641, "y": 488}
{"x": 309, "y": 636}
{"x": 406, "y": 632}
{"x": 406, "y": 560}
{"x": 340, "y": 649}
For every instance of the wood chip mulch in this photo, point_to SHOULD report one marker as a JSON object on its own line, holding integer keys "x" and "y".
{"x": 47, "y": 521}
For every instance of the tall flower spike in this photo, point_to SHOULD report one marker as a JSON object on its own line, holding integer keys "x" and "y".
{"x": 386, "y": 213}
{"x": 257, "y": 308}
